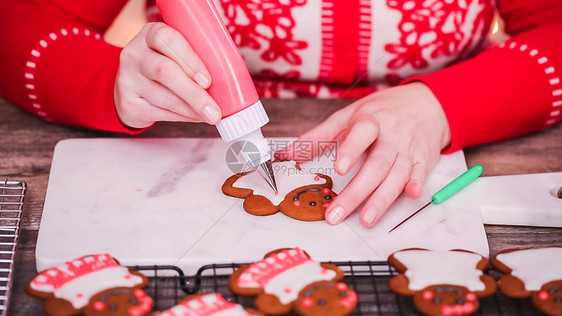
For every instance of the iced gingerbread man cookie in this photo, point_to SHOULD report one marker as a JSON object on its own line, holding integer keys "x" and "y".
{"x": 212, "y": 304}
{"x": 91, "y": 285}
{"x": 288, "y": 279}
{"x": 533, "y": 273}
{"x": 441, "y": 282}
{"x": 303, "y": 196}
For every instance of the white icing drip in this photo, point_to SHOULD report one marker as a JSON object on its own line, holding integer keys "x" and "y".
{"x": 236, "y": 310}
{"x": 181, "y": 310}
{"x": 296, "y": 279}
{"x": 426, "y": 268}
{"x": 287, "y": 177}
{"x": 79, "y": 291}
{"x": 534, "y": 267}
{"x": 195, "y": 308}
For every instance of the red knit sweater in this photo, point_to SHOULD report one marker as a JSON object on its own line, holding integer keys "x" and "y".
{"x": 56, "y": 64}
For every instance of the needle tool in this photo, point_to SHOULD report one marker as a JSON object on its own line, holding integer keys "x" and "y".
{"x": 449, "y": 190}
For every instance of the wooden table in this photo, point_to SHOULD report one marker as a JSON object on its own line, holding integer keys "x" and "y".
{"x": 27, "y": 143}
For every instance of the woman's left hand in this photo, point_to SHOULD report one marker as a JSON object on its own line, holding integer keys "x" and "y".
{"x": 402, "y": 130}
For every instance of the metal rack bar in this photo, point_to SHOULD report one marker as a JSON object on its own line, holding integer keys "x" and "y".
{"x": 12, "y": 195}
{"x": 368, "y": 278}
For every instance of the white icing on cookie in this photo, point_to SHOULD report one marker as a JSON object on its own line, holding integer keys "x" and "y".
{"x": 210, "y": 304}
{"x": 426, "y": 268}
{"x": 534, "y": 267}
{"x": 287, "y": 285}
{"x": 80, "y": 290}
{"x": 287, "y": 177}
{"x": 284, "y": 274}
{"x": 236, "y": 310}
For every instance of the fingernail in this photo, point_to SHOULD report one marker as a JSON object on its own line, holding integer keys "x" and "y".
{"x": 369, "y": 216}
{"x": 343, "y": 164}
{"x": 336, "y": 215}
{"x": 202, "y": 80}
{"x": 211, "y": 114}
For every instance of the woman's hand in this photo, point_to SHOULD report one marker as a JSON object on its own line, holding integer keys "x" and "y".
{"x": 161, "y": 78}
{"x": 402, "y": 130}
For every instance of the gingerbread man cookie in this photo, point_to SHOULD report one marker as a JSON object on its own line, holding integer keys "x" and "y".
{"x": 534, "y": 273}
{"x": 288, "y": 279}
{"x": 91, "y": 285}
{"x": 303, "y": 196}
{"x": 441, "y": 282}
{"x": 207, "y": 305}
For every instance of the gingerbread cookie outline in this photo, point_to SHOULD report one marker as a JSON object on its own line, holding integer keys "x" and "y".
{"x": 548, "y": 299}
{"x": 436, "y": 299}
{"x": 61, "y": 307}
{"x": 305, "y": 203}
{"x": 270, "y": 303}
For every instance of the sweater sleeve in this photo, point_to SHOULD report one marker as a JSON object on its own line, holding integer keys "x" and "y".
{"x": 55, "y": 62}
{"x": 511, "y": 89}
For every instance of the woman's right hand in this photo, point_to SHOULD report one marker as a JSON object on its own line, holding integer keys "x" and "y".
{"x": 161, "y": 78}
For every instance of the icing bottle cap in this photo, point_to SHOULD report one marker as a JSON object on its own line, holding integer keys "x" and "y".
{"x": 246, "y": 126}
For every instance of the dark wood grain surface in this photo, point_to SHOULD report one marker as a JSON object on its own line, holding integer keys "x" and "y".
{"x": 27, "y": 143}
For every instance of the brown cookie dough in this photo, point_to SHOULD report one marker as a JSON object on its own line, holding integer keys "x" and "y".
{"x": 549, "y": 299}
{"x": 534, "y": 273}
{"x": 91, "y": 285}
{"x": 326, "y": 298}
{"x": 441, "y": 282}
{"x": 286, "y": 278}
{"x": 446, "y": 300}
{"x": 304, "y": 202}
{"x": 121, "y": 301}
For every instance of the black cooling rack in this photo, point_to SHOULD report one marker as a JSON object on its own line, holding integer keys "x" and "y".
{"x": 168, "y": 285}
{"x": 12, "y": 194}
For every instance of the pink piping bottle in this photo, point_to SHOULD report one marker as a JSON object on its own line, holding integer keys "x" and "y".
{"x": 232, "y": 87}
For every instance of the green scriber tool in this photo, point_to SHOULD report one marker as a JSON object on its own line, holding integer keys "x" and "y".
{"x": 450, "y": 189}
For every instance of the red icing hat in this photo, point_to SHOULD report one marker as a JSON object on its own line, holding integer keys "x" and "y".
{"x": 263, "y": 271}
{"x": 56, "y": 277}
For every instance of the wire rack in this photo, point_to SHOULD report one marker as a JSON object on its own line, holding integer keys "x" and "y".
{"x": 369, "y": 279}
{"x": 12, "y": 194}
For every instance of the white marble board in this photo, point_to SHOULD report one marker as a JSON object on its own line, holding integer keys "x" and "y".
{"x": 522, "y": 199}
{"x": 159, "y": 201}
